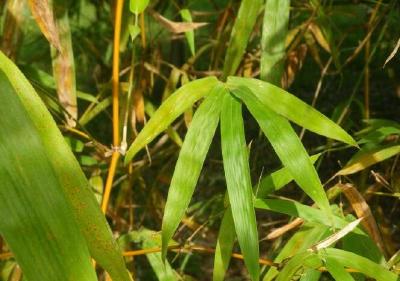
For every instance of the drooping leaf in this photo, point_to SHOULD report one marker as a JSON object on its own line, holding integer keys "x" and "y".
{"x": 75, "y": 186}
{"x": 225, "y": 242}
{"x": 138, "y": 6}
{"x": 288, "y": 147}
{"x": 241, "y": 31}
{"x": 190, "y": 162}
{"x": 275, "y": 28}
{"x": 276, "y": 180}
{"x": 292, "y": 108}
{"x": 237, "y": 175}
{"x": 187, "y": 17}
{"x": 35, "y": 215}
{"x": 359, "y": 263}
{"x": 337, "y": 270}
{"x": 368, "y": 158}
{"x": 171, "y": 108}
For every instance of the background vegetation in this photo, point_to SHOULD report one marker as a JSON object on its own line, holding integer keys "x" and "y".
{"x": 162, "y": 128}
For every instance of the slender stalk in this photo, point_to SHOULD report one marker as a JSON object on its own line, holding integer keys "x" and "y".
{"x": 115, "y": 99}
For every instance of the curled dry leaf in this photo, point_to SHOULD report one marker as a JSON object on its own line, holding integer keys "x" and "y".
{"x": 177, "y": 27}
{"x": 43, "y": 14}
{"x": 393, "y": 53}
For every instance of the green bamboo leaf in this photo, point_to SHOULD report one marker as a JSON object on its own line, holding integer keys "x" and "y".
{"x": 276, "y": 180}
{"x": 172, "y": 107}
{"x": 138, "y": 6}
{"x": 237, "y": 174}
{"x": 368, "y": 158}
{"x": 359, "y": 263}
{"x": 337, "y": 270}
{"x": 310, "y": 275}
{"x": 35, "y": 215}
{"x": 292, "y": 108}
{"x": 225, "y": 242}
{"x": 308, "y": 235}
{"x": 240, "y": 34}
{"x": 288, "y": 147}
{"x": 299, "y": 210}
{"x": 86, "y": 210}
{"x": 187, "y": 17}
{"x": 275, "y": 28}
{"x": 190, "y": 162}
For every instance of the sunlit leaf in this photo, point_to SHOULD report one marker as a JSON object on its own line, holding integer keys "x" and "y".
{"x": 288, "y": 147}
{"x": 237, "y": 174}
{"x": 138, "y": 6}
{"x": 300, "y": 260}
{"x": 171, "y": 108}
{"x": 337, "y": 270}
{"x": 75, "y": 186}
{"x": 190, "y": 162}
{"x": 187, "y": 17}
{"x": 292, "y": 108}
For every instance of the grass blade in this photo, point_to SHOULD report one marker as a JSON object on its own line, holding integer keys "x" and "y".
{"x": 223, "y": 250}
{"x": 288, "y": 147}
{"x": 240, "y": 35}
{"x": 190, "y": 162}
{"x": 368, "y": 158}
{"x": 91, "y": 221}
{"x": 337, "y": 270}
{"x": 172, "y": 107}
{"x": 295, "y": 263}
{"x": 187, "y": 17}
{"x": 293, "y": 108}
{"x": 35, "y": 215}
{"x": 275, "y": 27}
{"x": 237, "y": 174}
{"x": 359, "y": 263}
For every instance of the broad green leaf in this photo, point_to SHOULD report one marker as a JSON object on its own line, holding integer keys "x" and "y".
{"x": 276, "y": 180}
{"x": 275, "y": 28}
{"x": 91, "y": 221}
{"x": 225, "y": 242}
{"x": 308, "y": 235}
{"x": 288, "y": 147}
{"x": 292, "y": 108}
{"x": 190, "y": 162}
{"x": 304, "y": 259}
{"x": 35, "y": 215}
{"x": 187, "y": 17}
{"x": 299, "y": 210}
{"x": 369, "y": 158}
{"x": 170, "y": 109}
{"x": 337, "y": 270}
{"x": 138, "y": 6}
{"x": 237, "y": 175}
{"x": 364, "y": 265}
{"x": 240, "y": 35}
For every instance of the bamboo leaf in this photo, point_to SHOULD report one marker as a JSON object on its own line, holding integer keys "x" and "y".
{"x": 337, "y": 270}
{"x": 172, "y": 107}
{"x": 275, "y": 28}
{"x": 190, "y": 162}
{"x": 369, "y": 158}
{"x": 75, "y": 186}
{"x": 300, "y": 260}
{"x": 187, "y": 17}
{"x": 225, "y": 242}
{"x": 292, "y": 108}
{"x": 240, "y": 34}
{"x": 288, "y": 147}
{"x": 237, "y": 174}
{"x": 35, "y": 215}
{"x": 138, "y": 6}
{"x": 359, "y": 263}
{"x": 310, "y": 274}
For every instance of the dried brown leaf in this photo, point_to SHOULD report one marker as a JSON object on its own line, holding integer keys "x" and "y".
{"x": 177, "y": 27}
